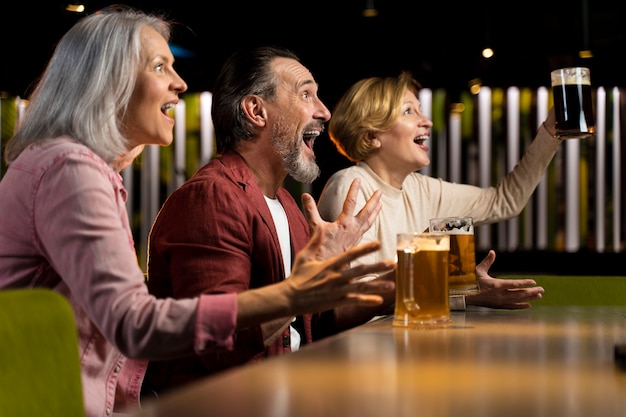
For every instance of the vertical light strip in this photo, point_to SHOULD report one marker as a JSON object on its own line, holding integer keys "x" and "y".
{"x": 180, "y": 146}
{"x": 21, "y": 108}
{"x": 426, "y": 99}
{"x": 512, "y": 153}
{"x": 617, "y": 169}
{"x": 442, "y": 153}
{"x": 541, "y": 192}
{"x": 149, "y": 192}
{"x": 572, "y": 195}
{"x": 153, "y": 177}
{"x": 127, "y": 177}
{"x": 484, "y": 155}
{"x": 600, "y": 174}
{"x": 455, "y": 146}
{"x": 207, "y": 132}
{"x": 2, "y": 131}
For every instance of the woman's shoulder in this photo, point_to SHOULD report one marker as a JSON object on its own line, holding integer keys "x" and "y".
{"x": 340, "y": 181}
{"x": 59, "y": 152}
{"x": 59, "y": 145}
{"x": 422, "y": 180}
{"x": 351, "y": 170}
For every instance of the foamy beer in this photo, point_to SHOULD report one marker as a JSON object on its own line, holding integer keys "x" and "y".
{"x": 573, "y": 105}
{"x": 422, "y": 281}
{"x": 462, "y": 261}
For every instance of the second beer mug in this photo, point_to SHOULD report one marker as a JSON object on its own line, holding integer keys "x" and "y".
{"x": 573, "y": 106}
{"x": 462, "y": 273}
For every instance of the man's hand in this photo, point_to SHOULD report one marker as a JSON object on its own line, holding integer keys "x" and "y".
{"x": 347, "y": 230}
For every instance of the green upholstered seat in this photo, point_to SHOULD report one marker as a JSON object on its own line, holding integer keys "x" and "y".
{"x": 579, "y": 290}
{"x": 39, "y": 359}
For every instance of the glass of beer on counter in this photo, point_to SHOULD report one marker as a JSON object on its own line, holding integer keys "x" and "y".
{"x": 573, "y": 105}
{"x": 422, "y": 281}
{"x": 462, "y": 261}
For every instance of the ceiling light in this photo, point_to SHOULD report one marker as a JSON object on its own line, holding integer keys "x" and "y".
{"x": 370, "y": 10}
{"x": 76, "y": 8}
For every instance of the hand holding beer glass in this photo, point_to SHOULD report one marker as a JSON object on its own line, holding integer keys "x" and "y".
{"x": 422, "y": 281}
{"x": 462, "y": 261}
{"x": 573, "y": 106}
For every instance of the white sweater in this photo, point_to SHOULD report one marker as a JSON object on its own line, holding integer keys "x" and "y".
{"x": 422, "y": 197}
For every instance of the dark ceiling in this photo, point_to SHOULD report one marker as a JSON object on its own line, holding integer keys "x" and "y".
{"x": 439, "y": 41}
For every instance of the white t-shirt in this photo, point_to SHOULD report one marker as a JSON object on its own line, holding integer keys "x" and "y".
{"x": 282, "y": 229}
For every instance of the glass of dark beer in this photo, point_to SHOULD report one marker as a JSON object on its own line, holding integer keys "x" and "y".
{"x": 573, "y": 105}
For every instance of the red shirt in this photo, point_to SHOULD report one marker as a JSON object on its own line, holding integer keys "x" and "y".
{"x": 219, "y": 221}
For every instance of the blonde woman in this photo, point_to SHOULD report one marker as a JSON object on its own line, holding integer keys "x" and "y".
{"x": 378, "y": 124}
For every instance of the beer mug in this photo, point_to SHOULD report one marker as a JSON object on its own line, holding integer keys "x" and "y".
{"x": 573, "y": 105}
{"x": 462, "y": 269}
{"x": 422, "y": 281}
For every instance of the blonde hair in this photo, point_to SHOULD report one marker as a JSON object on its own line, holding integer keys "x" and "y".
{"x": 370, "y": 106}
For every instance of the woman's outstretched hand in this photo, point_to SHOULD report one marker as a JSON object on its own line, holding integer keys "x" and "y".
{"x": 511, "y": 294}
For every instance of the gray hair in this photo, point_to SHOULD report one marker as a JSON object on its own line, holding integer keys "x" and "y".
{"x": 86, "y": 87}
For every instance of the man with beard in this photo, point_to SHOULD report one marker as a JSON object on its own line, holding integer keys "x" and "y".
{"x": 235, "y": 219}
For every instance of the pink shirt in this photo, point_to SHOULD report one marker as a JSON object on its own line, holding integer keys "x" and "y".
{"x": 64, "y": 225}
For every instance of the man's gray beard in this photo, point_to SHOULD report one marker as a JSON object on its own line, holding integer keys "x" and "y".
{"x": 299, "y": 168}
{"x": 295, "y": 164}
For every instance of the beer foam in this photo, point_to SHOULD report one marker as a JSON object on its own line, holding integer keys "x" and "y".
{"x": 571, "y": 76}
{"x": 427, "y": 242}
{"x": 454, "y": 226}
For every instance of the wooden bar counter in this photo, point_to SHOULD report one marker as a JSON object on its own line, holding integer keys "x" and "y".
{"x": 545, "y": 361}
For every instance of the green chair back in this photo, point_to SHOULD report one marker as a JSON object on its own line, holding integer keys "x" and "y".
{"x": 580, "y": 290}
{"x": 39, "y": 359}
